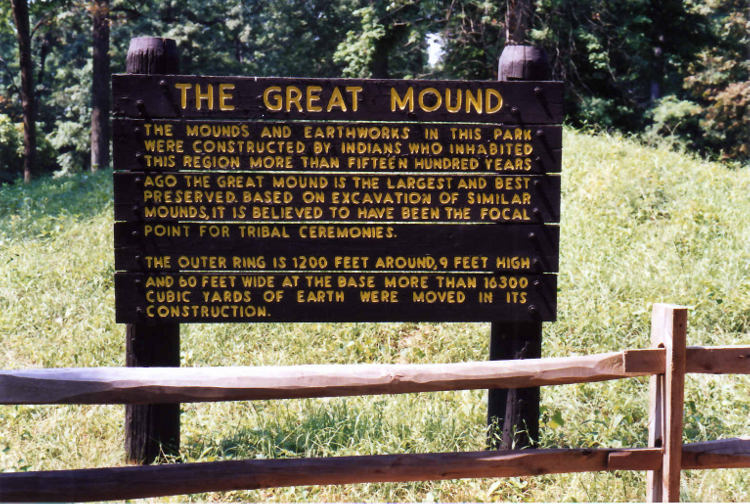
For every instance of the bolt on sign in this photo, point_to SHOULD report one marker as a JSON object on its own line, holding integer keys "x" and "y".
{"x": 280, "y": 199}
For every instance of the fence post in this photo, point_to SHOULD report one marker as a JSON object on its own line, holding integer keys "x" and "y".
{"x": 152, "y": 429}
{"x": 517, "y": 410}
{"x": 666, "y": 397}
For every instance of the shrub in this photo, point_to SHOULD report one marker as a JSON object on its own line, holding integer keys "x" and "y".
{"x": 675, "y": 122}
{"x": 726, "y": 121}
{"x": 11, "y": 151}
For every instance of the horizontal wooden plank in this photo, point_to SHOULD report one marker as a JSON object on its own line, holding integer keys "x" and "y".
{"x": 182, "y": 145}
{"x": 300, "y": 197}
{"x": 189, "y": 96}
{"x": 708, "y": 360}
{"x": 176, "y": 479}
{"x": 394, "y": 247}
{"x": 719, "y": 454}
{"x": 635, "y": 459}
{"x": 166, "y": 385}
{"x": 646, "y": 361}
{"x": 718, "y": 360}
{"x": 333, "y": 297}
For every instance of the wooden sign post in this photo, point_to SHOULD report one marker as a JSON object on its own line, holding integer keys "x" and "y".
{"x": 243, "y": 199}
{"x": 152, "y": 429}
{"x": 513, "y": 414}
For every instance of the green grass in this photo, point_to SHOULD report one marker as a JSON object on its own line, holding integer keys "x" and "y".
{"x": 640, "y": 225}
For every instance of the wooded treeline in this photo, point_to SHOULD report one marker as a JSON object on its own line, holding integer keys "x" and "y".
{"x": 663, "y": 68}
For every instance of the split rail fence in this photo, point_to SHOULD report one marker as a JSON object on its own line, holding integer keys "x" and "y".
{"x": 666, "y": 362}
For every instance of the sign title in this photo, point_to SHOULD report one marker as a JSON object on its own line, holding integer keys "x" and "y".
{"x": 315, "y": 98}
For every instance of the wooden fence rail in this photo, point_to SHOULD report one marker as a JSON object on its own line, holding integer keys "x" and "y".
{"x": 173, "y": 479}
{"x": 663, "y": 459}
{"x": 135, "y": 482}
{"x": 164, "y": 385}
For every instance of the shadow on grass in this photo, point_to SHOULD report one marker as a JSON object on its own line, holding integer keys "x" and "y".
{"x": 323, "y": 431}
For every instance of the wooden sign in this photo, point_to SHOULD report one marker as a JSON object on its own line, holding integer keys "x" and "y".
{"x": 349, "y": 197}
{"x": 142, "y": 247}
{"x": 334, "y": 297}
{"x": 265, "y": 199}
{"x": 253, "y": 98}
{"x": 177, "y": 145}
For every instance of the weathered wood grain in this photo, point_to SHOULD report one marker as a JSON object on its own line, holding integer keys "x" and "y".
{"x": 706, "y": 360}
{"x": 668, "y": 331}
{"x": 152, "y": 55}
{"x": 165, "y": 385}
{"x": 142, "y": 385}
{"x": 152, "y": 430}
{"x": 718, "y": 360}
{"x": 140, "y": 482}
{"x": 719, "y": 454}
{"x": 522, "y": 62}
{"x": 175, "y": 479}
{"x": 646, "y": 361}
{"x": 516, "y": 410}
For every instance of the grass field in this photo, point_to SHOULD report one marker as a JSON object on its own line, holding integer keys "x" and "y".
{"x": 640, "y": 225}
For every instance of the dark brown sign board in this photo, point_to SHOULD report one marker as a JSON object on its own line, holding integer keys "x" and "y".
{"x": 150, "y": 247}
{"x": 176, "y": 145}
{"x": 333, "y": 297}
{"x": 253, "y": 98}
{"x": 268, "y": 199}
{"x": 280, "y": 197}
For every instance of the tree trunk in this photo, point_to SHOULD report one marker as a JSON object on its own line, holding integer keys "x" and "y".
{"x": 100, "y": 131}
{"x": 379, "y": 64}
{"x": 518, "y": 21}
{"x": 21, "y": 18}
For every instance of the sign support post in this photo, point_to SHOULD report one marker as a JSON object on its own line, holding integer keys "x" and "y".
{"x": 516, "y": 411}
{"x": 152, "y": 430}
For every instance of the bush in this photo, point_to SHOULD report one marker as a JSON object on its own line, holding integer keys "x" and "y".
{"x": 675, "y": 122}
{"x": 70, "y": 141}
{"x": 11, "y": 151}
{"x": 726, "y": 121}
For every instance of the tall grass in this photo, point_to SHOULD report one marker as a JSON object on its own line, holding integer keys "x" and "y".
{"x": 640, "y": 225}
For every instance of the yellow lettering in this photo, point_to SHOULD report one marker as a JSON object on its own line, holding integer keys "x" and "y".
{"x": 208, "y": 96}
{"x": 313, "y": 97}
{"x": 276, "y": 102}
{"x": 453, "y": 108}
{"x": 293, "y": 96}
{"x": 402, "y": 103}
{"x": 438, "y": 100}
{"x": 354, "y": 91}
{"x": 183, "y": 87}
{"x": 225, "y": 95}
{"x": 474, "y": 100}
{"x": 336, "y": 100}
{"x": 498, "y": 104}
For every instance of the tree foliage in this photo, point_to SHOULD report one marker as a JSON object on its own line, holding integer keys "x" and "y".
{"x": 619, "y": 56}
{"x": 719, "y": 81}
{"x": 473, "y": 32}
{"x": 668, "y": 68}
